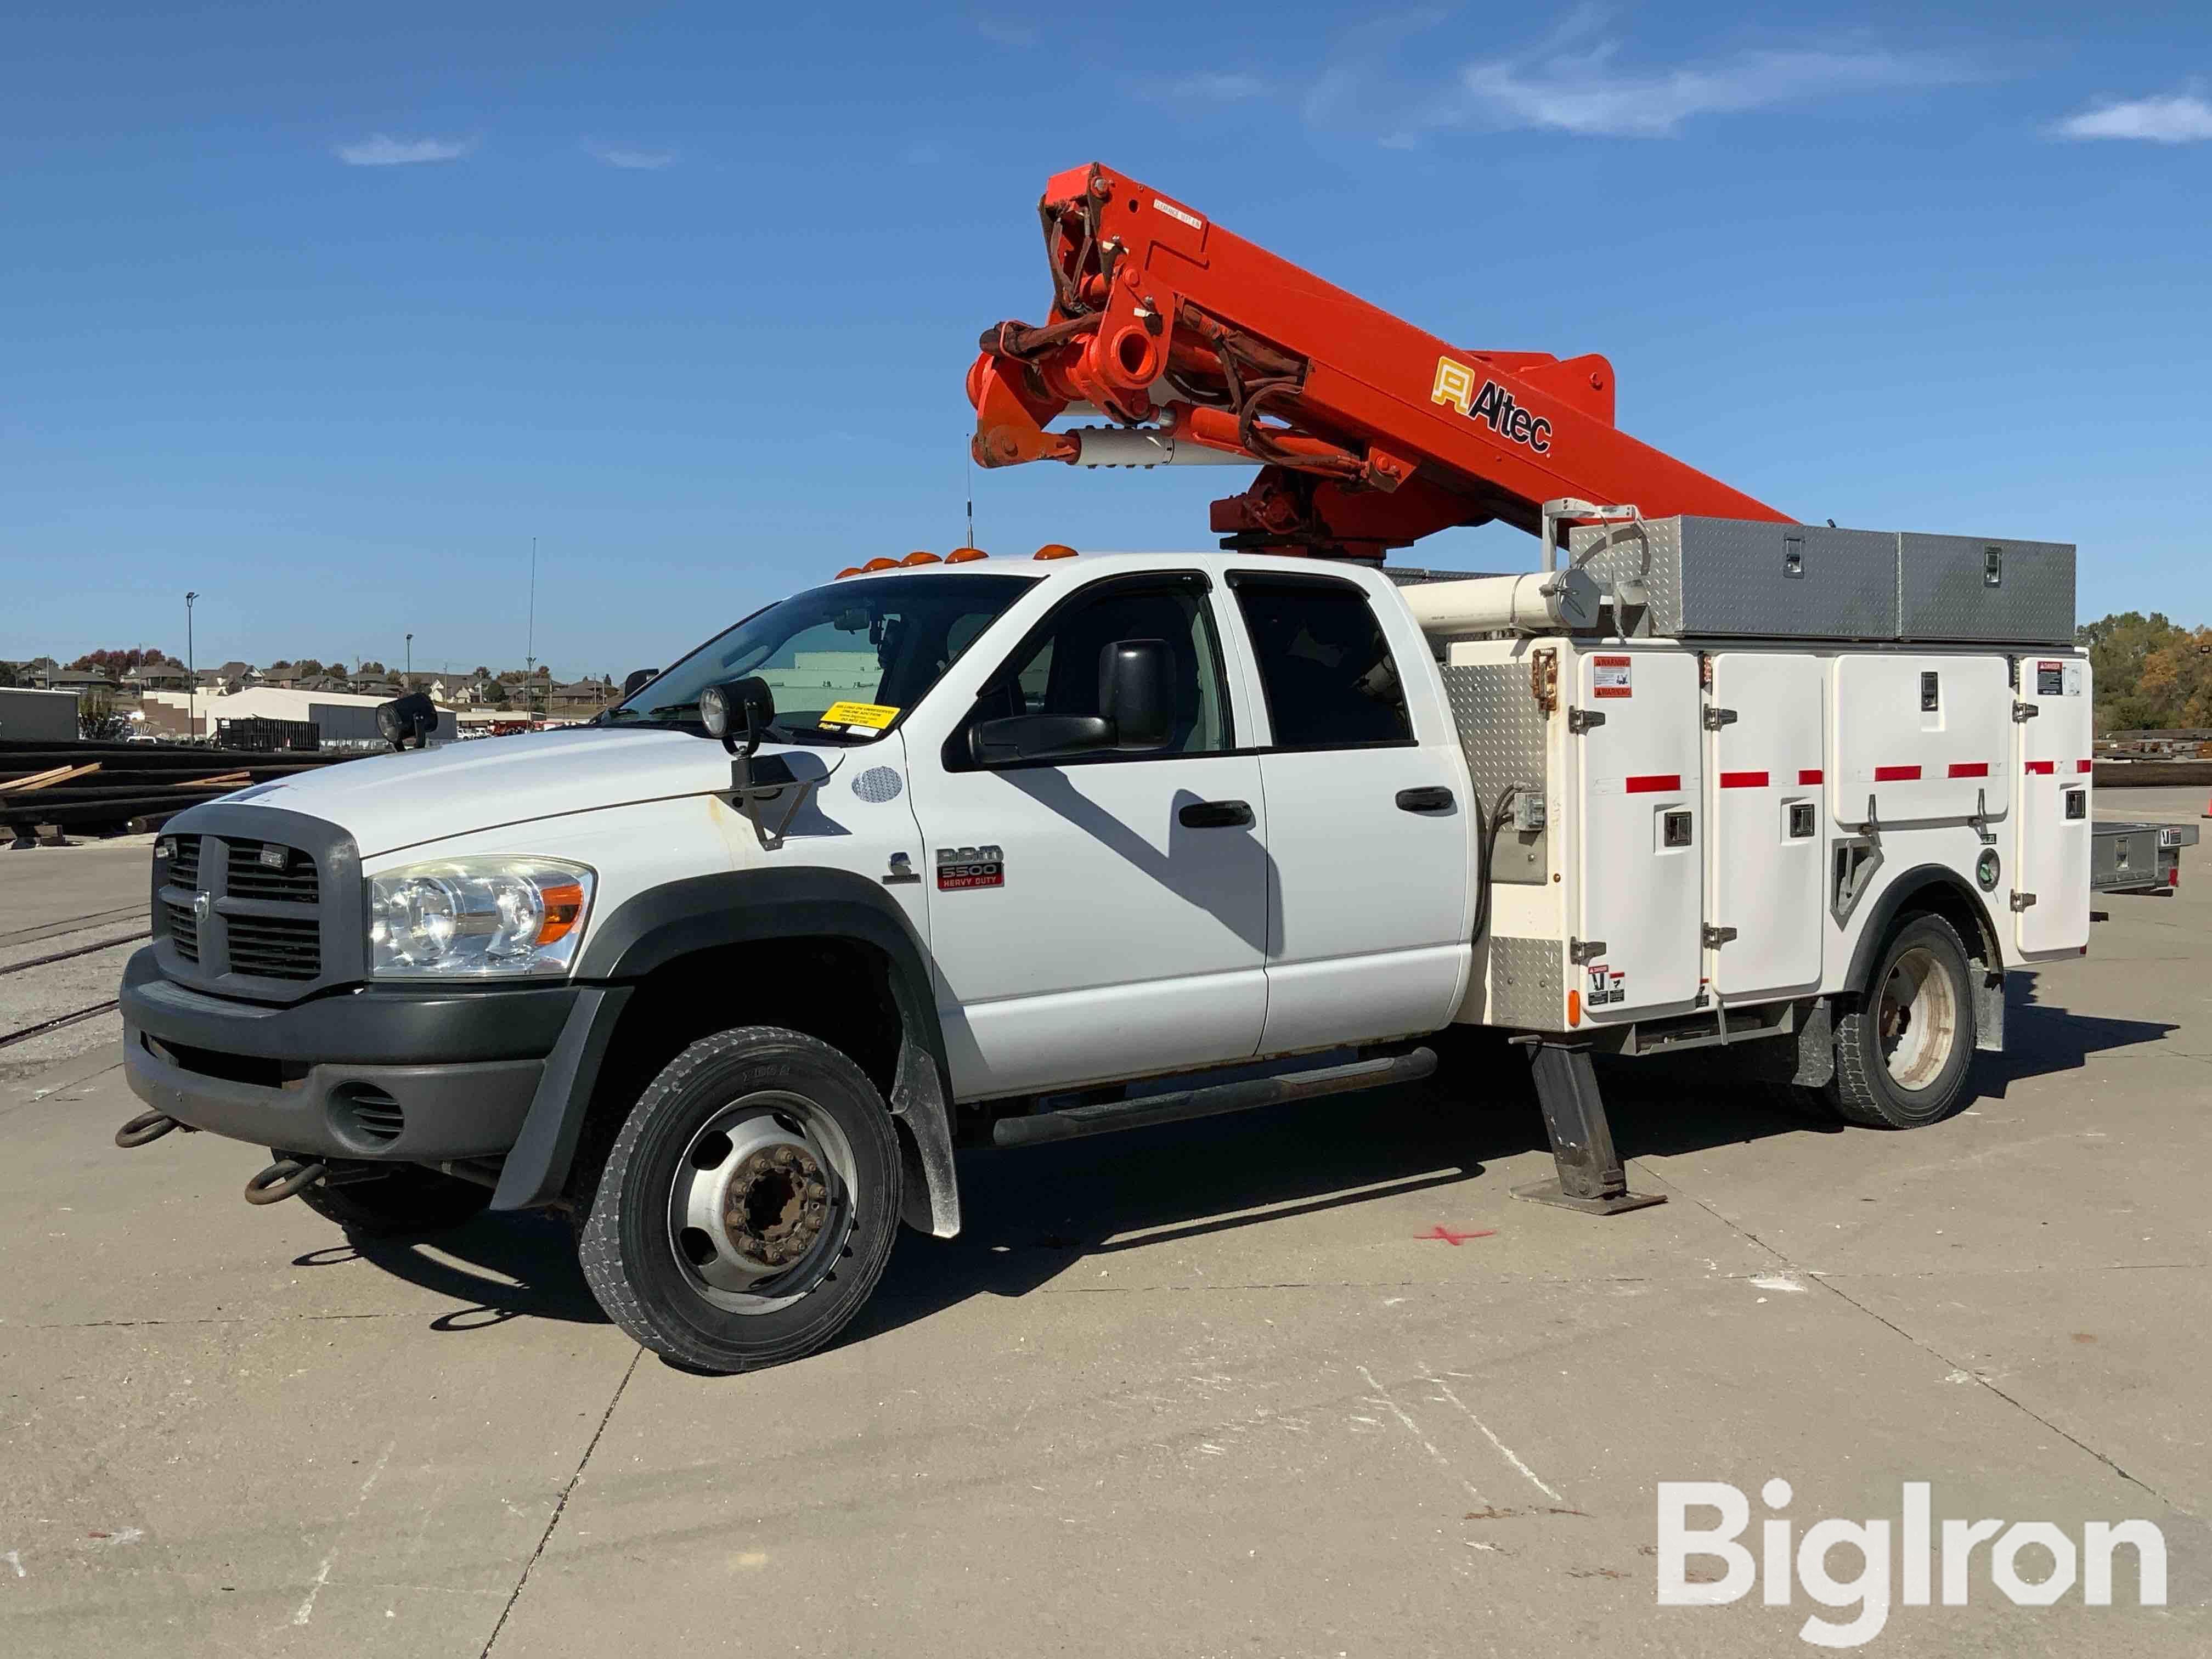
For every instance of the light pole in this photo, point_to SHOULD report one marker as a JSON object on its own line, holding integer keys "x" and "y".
{"x": 192, "y": 675}
{"x": 410, "y": 662}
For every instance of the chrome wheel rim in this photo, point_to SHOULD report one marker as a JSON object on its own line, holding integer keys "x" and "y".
{"x": 761, "y": 1209}
{"x": 1918, "y": 1019}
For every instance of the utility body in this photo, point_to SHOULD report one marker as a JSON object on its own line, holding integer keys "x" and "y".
{"x": 972, "y": 850}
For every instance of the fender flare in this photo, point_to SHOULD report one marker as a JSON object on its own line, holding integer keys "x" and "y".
{"x": 1988, "y": 947}
{"x": 745, "y": 907}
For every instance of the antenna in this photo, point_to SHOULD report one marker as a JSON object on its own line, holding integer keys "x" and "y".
{"x": 970, "y": 450}
{"x": 529, "y": 640}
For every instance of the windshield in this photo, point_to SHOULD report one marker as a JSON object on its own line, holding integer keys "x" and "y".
{"x": 843, "y": 662}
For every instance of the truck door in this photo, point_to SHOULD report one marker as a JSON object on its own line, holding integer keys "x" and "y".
{"x": 1641, "y": 865}
{"x": 1763, "y": 797}
{"x": 1107, "y": 913}
{"x": 1368, "y": 832}
{"x": 2053, "y": 860}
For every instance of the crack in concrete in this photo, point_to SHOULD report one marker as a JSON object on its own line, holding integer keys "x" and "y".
{"x": 1930, "y": 1349}
{"x": 561, "y": 1507}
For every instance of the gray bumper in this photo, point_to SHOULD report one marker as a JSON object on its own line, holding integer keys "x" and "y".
{"x": 370, "y": 1074}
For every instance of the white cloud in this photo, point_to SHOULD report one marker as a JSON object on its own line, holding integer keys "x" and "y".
{"x": 2174, "y": 118}
{"x": 1589, "y": 93}
{"x": 382, "y": 151}
{"x": 628, "y": 156}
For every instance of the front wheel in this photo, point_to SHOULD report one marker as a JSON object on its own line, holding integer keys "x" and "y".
{"x": 748, "y": 1205}
{"x": 1901, "y": 1056}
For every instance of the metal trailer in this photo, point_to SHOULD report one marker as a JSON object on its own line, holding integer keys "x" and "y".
{"x": 33, "y": 716}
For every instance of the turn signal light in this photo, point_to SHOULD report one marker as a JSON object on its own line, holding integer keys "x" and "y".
{"x": 1055, "y": 550}
{"x": 921, "y": 558}
{"x": 1574, "y": 1007}
{"x": 965, "y": 555}
{"x": 564, "y": 903}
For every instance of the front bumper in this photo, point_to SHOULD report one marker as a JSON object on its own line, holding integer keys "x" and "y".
{"x": 405, "y": 1076}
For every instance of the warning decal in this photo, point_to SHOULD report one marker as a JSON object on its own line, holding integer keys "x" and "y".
{"x": 857, "y": 716}
{"x": 2050, "y": 679}
{"x": 1606, "y": 985}
{"x": 1609, "y": 678}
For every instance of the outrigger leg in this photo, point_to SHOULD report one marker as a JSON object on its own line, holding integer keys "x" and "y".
{"x": 1590, "y": 1177}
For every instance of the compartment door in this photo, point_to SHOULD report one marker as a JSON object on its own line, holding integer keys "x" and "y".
{"x": 1642, "y": 858}
{"x": 2054, "y": 847}
{"x": 1763, "y": 794}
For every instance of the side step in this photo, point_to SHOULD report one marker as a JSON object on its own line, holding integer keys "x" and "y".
{"x": 1103, "y": 1119}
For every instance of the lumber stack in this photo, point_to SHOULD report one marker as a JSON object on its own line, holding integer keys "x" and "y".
{"x": 93, "y": 787}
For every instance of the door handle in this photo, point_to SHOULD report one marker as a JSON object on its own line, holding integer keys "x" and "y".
{"x": 1215, "y": 815}
{"x": 1435, "y": 798}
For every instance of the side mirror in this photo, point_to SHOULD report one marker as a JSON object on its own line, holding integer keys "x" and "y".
{"x": 1136, "y": 692}
{"x": 746, "y": 706}
{"x": 412, "y": 716}
{"x": 643, "y": 677}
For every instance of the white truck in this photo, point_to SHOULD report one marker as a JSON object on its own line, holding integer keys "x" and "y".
{"x": 1003, "y": 850}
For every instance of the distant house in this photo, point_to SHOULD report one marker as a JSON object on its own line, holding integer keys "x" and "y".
{"x": 79, "y": 680}
{"x": 435, "y": 684}
{"x": 580, "y": 696}
{"x": 159, "y": 676}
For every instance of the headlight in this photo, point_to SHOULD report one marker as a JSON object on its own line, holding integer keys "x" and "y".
{"x": 476, "y": 916}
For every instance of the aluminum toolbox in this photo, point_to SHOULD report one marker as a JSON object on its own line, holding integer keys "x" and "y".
{"x": 2137, "y": 858}
{"x": 1966, "y": 587}
{"x": 1738, "y": 578}
{"x": 1742, "y": 578}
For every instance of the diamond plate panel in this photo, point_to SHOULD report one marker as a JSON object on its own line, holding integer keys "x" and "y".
{"x": 1502, "y": 729}
{"x": 1742, "y": 578}
{"x": 1527, "y": 986}
{"x": 1944, "y": 592}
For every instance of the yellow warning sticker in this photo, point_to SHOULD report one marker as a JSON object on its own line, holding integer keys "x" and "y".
{"x": 868, "y": 716}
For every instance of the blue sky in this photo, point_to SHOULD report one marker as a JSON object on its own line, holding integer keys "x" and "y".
{"x": 325, "y": 312}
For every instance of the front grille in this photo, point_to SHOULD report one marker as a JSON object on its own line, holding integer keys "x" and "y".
{"x": 252, "y": 875}
{"x": 184, "y": 930}
{"x": 184, "y": 862}
{"x": 276, "y": 947}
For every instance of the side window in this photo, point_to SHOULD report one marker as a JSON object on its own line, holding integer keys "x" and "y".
{"x": 1324, "y": 664}
{"x": 1055, "y": 671}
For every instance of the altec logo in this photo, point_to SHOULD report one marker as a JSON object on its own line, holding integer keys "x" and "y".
{"x": 1926, "y": 1551}
{"x": 1493, "y": 405}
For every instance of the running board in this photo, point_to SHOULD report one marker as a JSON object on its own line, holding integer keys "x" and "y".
{"x": 1102, "y": 1119}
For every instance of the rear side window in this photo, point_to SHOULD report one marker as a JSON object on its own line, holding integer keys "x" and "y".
{"x": 1324, "y": 667}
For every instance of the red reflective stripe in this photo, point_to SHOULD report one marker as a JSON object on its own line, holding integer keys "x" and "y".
{"x": 2084, "y": 766}
{"x": 1896, "y": 773}
{"x": 1970, "y": 769}
{"x": 1743, "y": 779}
{"x": 1655, "y": 783}
{"x": 1809, "y": 774}
{"x": 2044, "y": 766}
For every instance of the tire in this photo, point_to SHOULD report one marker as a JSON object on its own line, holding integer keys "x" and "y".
{"x": 748, "y": 1205}
{"x": 1902, "y": 1056}
{"x": 412, "y": 1199}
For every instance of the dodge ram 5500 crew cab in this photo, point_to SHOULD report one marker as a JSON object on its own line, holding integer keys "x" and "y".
{"x": 967, "y": 848}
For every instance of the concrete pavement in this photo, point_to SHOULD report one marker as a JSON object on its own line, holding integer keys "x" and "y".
{"x": 1306, "y": 1381}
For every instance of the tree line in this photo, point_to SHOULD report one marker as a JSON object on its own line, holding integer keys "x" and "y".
{"x": 2149, "y": 673}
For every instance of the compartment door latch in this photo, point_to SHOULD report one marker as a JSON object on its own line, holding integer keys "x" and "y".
{"x": 1713, "y": 937}
{"x": 2024, "y": 712}
{"x": 1718, "y": 718}
{"x": 1582, "y": 951}
{"x": 2022, "y": 901}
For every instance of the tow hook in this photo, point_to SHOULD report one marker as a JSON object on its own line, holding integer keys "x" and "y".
{"x": 282, "y": 1180}
{"x": 147, "y": 1125}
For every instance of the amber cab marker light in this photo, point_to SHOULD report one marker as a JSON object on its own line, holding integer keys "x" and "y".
{"x": 849, "y": 570}
{"x": 965, "y": 555}
{"x": 1055, "y": 550}
{"x": 921, "y": 558}
{"x": 879, "y": 564}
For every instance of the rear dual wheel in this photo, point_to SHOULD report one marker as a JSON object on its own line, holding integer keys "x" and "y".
{"x": 748, "y": 1205}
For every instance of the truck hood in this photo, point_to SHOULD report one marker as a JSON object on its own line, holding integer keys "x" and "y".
{"x": 392, "y": 801}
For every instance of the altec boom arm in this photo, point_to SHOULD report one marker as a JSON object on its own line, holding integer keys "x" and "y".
{"x": 1369, "y": 433}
